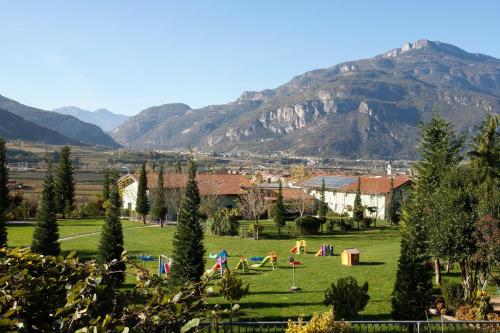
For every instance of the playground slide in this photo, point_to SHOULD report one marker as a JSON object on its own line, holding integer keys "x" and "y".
{"x": 215, "y": 268}
{"x": 266, "y": 259}
{"x": 294, "y": 249}
{"x": 319, "y": 253}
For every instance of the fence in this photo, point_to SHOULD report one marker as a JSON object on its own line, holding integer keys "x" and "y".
{"x": 364, "y": 326}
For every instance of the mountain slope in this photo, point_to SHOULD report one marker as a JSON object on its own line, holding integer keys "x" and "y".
{"x": 13, "y": 127}
{"x": 103, "y": 118}
{"x": 365, "y": 108}
{"x": 68, "y": 126}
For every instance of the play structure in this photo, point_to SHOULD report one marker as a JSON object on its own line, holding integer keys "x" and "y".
{"x": 300, "y": 247}
{"x": 325, "y": 251}
{"x": 293, "y": 263}
{"x": 243, "y": 265}
{"x": 349, "y": 257}
{"x": 220, "y": 265}
{"x": 271, "y": 258}
{"x": 164, "y": 265}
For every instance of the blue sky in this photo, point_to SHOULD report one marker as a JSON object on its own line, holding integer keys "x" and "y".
{"x": 129, "y": 55}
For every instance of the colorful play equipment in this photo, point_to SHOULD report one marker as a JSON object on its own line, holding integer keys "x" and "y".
{"x": 325, "y": 251}
{"x": 243, "y": 265}
{"x": 300, "y": 247}
{"x": 257, "y": 258}
{"x": 293, "y": 263}
{"x": 222, "y": 253}
{"x": 349, "y": 257}
{"x": 164, "y": 265}
{"x": 220, "y": 265}
{"x": 271, "y": 258}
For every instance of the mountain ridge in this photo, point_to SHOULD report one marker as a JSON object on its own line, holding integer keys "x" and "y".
{"x": 362, "y": 108}
{"x": 102, "y": 117}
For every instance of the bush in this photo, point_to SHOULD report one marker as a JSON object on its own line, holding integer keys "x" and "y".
{"x": 308, "y": 225}
{"x": 224, "y": 222}
{"x": 243, "y": 231}
{"x": 89, "y": 209}
{"x": 367, "y": 222}
{"x": 346, "y": 297}
{"x": 452, "y": 293}
{"x": 324, "y": 323}
{"x": 345, "y": 224}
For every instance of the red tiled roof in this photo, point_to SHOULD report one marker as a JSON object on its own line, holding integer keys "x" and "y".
{"x": 377, "y": 185}
{"x": 222, "y": 184}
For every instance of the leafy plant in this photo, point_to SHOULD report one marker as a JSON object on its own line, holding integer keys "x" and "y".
{"x": 232, "y": 289}
{"x": 224, "y": 222}
{"x": 453, "y": 294}
{"x": 308, "y": 225}
{"x": 322, "y": 323}
{"x": 346, "y": 297}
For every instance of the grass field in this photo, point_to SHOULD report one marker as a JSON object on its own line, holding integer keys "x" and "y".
{"x": 269, "y": 290}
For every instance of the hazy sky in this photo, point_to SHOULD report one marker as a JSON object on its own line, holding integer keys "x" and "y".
{"x": 129, "y": 55}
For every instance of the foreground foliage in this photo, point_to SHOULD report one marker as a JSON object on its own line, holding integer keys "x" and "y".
{"x": 62, "y": 294}
{"x": 323, "y": 323}
{"x": 347, "y": 298}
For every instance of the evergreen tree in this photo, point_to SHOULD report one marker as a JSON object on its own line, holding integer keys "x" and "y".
{"x": 4, "y": 193}
{"x": 111, "y": 242}
{"x": 412, "y": 292}
{"x": 358, "y": 207}
{"x": 279, "y": 210}
{"x": 46, "y": 232}
{"x": 439, "y": 148}
{"x": 485, "y": 153}
{"x": 323, "y": 207}
{"x": 106, "y": 185}
{"x": 392, "y": 209}
{"x": 64, "y": 183}
{"x": 142, "y": 201}
{"x": 189, "y": 251}
{"x": 159, "y": 202}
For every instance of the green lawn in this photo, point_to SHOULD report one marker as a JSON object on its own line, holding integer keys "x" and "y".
{"x": 269, "y": 290}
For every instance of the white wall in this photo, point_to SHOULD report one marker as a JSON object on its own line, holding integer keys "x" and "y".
{"x": 338, "y": 202}
{"x": 129, "y": 196}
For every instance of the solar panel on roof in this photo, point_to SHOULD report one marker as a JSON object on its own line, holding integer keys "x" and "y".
{"x": 330, "y": 181}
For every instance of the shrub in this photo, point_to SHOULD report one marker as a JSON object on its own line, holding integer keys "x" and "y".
{"x": 346, "y": 297}
{"x": 308, "y": 225}
{"x": 345, "y": 224}
{"x": 367, "y": 222}
{"x": 323, "y": 323}
{"x": 224, "y": 222}
{"x": 452, "y": 293}
{"x": 243, "y": 231}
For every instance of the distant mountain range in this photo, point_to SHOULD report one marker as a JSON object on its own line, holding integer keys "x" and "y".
{"x": 64, "y": 129}
{"x": 103, "y": 118}
{"x": 359, "y": 109}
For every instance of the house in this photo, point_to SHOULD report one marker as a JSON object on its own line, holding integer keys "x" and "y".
{"x": 340, "y": 192}
{"x": 227, "y": 187}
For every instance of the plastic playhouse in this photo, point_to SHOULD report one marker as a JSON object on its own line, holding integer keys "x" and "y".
{"x": 271, "y": 258}
{"x": 325, "y": 251}
{"x": 349, "y": 257}
{"x": 300, "y": 247}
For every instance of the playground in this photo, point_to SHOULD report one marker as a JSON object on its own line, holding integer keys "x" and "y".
{"x": 269, "y": 274}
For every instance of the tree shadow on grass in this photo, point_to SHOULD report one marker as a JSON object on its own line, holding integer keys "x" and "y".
{"x": 371, "y": 263}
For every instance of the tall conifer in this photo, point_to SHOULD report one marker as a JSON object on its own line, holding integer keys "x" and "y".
{"x": 323, "y": 207}
{"x": 279, "y": 210}
{"x": 159, "y": 202}
{"x": 46, "y": 232}
{"x": 142, "y": 202}
{"x": 111, "y": 242}
{"x": 4, "y": 193}
{"x": 189, "y": 251}
{"x": 358, "y": 207}
{"x": 64, "y": 183}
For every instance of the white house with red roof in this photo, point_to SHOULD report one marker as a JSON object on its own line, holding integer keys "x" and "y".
{"x": 340, "y": 192}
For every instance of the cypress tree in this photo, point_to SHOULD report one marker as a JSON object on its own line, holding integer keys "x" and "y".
{"x": 142, "y": 201}
{"x": 279, "y": 210}
{"x": 111, "y": 242}
{"x": 323, "y": 208}
{"x": 358, "y": 208}
{"x": 64, "y": 183}
{"x": 46, "y": 232}
{"x": 189, "y": 251}
{"x": 392, "y": 209}
{"x": 159, "y": 203}
{"x": 413, "y": 288}
{"x": 4, "y": 193}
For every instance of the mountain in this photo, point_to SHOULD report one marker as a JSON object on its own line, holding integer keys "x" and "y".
{"x": 13, "y": 127}
{"x": 68, "y": 126}
{"x": 103, "y": 118}
{"x": 367, "y": 108}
